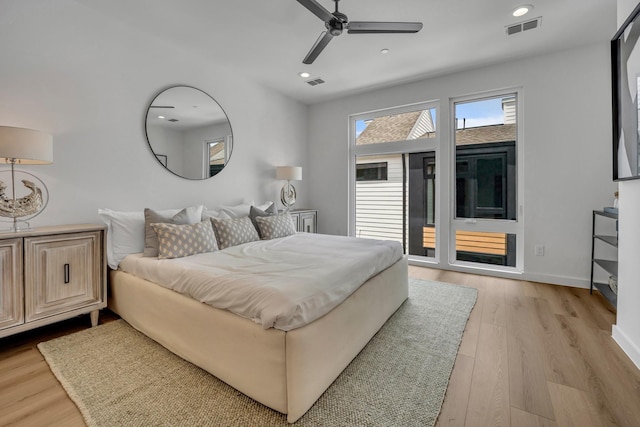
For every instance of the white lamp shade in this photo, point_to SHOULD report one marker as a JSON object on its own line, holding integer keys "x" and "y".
{"x": 289, "y": 173}
{"x": 27, "y": 146}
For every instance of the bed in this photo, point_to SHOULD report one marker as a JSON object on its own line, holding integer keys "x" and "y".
{"x": 283, "y": 364}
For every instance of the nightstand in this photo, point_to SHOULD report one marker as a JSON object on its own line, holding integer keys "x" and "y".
{"x": 50, "y": 274}
{"x": 305, "y": 220}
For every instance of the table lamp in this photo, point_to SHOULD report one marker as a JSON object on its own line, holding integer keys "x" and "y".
{"x": 25, "y": 147}
{"x": 288, "y": 192}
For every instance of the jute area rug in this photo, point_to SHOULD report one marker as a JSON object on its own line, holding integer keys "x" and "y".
{"x": 119, "y": 377}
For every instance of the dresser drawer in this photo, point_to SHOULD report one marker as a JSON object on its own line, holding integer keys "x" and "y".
{"x": 62, "y": 273}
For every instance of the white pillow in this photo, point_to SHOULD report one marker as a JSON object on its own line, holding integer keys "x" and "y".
{"x": 125, "y": 233}
{"x": 208, "y": 214}
{"x": 238, "y": 211}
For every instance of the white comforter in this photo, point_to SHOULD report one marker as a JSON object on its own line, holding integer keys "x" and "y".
{"x": 282, "y": 283}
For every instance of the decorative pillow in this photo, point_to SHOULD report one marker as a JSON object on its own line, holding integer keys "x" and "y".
{"x": 255, "y": 212}
{"x": 234, "y": 231}
{"x": 178, "y": 241}
{"x": 272, "y": 227}
{"x": 189, "y": 215}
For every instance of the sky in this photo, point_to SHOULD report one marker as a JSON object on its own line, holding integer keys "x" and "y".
{"x": 480, "y": 113}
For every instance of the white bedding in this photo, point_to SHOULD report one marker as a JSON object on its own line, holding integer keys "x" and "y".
{"x": 281, "y": 283}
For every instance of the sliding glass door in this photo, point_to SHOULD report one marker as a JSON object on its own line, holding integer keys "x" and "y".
{"x": 422, "y": 204}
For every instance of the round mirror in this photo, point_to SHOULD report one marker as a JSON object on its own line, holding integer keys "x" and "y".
{"x": 188, "y": 132}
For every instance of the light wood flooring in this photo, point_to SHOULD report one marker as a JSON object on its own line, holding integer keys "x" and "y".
{"x": 532, "y": 355}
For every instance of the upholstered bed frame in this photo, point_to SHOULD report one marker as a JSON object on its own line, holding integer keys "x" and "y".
{"x": 286, "y": 371}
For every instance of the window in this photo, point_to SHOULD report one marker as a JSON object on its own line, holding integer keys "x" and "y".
{"x": 371, "y": 171}
{"x": 217, "y": 156}
{"x": 405, "y": 126}
{"x": 485, "y": 180}
{"x": 392, "y": 197}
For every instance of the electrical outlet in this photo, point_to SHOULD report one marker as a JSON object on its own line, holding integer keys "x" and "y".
{"x": 539, "y": 250}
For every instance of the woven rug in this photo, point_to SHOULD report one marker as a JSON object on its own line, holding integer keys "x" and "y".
{"x": 119, "y": 377}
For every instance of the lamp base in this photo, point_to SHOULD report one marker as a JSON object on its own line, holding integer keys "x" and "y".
{"x": 288, "y": 196}
{"x": 19, "y": 226}
{"x": 23, "y": 196}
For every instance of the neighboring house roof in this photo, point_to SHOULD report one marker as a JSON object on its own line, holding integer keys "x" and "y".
{"x": 216, "y": 154}
{"x": 401, "y": 127}
{"x": 484, "y": 134}
{"x": 388, "y": 128}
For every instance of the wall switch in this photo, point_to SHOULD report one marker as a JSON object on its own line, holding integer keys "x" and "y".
{"x": 539, "y": 250}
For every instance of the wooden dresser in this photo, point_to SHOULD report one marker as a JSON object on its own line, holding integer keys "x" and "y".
{"x": 50, "y": 274}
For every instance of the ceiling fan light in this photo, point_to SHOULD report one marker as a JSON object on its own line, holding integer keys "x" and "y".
{"x": 521, "y": 10}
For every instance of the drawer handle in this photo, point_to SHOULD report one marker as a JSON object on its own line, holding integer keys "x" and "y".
{"x": 67, "y": 273}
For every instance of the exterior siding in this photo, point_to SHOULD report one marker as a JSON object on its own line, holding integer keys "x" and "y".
{"x": 379, "y": 203}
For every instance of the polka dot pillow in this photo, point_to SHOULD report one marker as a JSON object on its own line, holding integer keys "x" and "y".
{"x": 272, "y": 227}
{"x": 234, "y": 231}
{"x": 176, "y": 241}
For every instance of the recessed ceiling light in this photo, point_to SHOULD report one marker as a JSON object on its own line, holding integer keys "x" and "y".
{"x": 384, "y": 51}
{"x": 161, "y": 117}
{"x": 523, "y": 9}
{"x": 304, "y": 74}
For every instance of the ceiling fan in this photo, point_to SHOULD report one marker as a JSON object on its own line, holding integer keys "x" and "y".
{"x": 336, "y": 22}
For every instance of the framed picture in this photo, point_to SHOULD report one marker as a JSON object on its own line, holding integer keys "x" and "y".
{"x": 162, "y": 158}
{"x": 625, "y": 74}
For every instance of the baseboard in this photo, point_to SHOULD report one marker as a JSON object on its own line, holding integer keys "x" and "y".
{"x": 626, "y": 345}
{"x": 574, "y": 282}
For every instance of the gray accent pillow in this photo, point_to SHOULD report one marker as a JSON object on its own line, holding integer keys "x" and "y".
{"x": 178, "y": 241}
{"x": 255, "y": 212}
{"x": 190, "y": 215}
{"x": 234, "y": 231}
{"x": 272, "y": 227}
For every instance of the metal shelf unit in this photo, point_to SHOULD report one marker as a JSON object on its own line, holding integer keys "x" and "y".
{"x": 608, "y": 265}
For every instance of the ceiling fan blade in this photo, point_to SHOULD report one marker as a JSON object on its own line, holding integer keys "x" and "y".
{"x": 367, "y": 27}
{"x": 317, "y": 9}
{"x": 320, "y": 44}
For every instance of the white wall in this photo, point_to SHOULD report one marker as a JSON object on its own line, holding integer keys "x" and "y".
{"x": 87, "y": 79}
{"x": 627, "y": 330}
{"x": 567, "y": 149}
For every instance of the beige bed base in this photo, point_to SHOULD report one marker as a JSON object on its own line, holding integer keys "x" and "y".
{"x": 286, "y": 371}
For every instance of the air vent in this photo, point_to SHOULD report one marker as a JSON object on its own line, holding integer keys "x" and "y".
{"x": 523, "y": 26}
{"x": 315, "y": 82}
{"x": 173, "y": 120}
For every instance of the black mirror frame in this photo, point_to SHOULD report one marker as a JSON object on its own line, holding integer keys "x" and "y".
{"x": 621, "y": 101}
{"x": 162, "y": 159}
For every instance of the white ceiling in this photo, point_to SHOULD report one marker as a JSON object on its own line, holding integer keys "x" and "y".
{"x": 267, "y": 40}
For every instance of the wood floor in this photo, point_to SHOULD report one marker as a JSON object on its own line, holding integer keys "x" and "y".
{"x": 531, "y": 355}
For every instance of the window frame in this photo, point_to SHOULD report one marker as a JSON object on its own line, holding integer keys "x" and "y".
{"x": 507, "y": 226}
{"x": 391, "y": 147}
